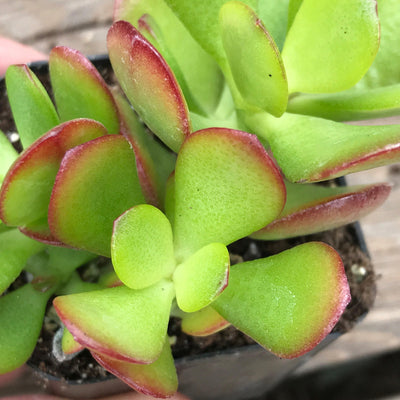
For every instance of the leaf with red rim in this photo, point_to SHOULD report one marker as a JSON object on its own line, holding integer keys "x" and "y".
{"x": 33, "y": 111}
{"x": 96, "y": 183}
{"x": 15, "y": 250}
{"x": 310, "y": 149}
{"x": 158, "y": 379}
{"x": 202, "y": 277}
{"x": 68, "y": 344}
{"x": 142, "y": 248}
{"x": 287, "y": 302}
{"x": 149, "y": 84}
{"x": 330, "y": 45}
{"x": 203, "y": 322}
{"x": 313, "y": 208}
{"x": 79, "y": 89}
{"x": 122, "y": 323}
{"x": 225, "y": 186}
{"x": 21, "y": 202}
{"x": 254, "y": 58}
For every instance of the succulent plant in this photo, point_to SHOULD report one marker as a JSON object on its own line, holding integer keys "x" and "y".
{"x": 221, "y": 84}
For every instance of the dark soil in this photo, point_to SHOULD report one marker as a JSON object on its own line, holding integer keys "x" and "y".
{"x": 345, "y": 240}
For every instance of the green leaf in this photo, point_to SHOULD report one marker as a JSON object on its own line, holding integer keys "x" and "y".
{"x": 254, "y": 58}
{"x": 96, "y": 183}
{"x": 7, "y": 155}
{"x": 313, "y": 208}
{"x": 21, "y": 318}
{"x": 202, "y": 277}
{"x": 149, "y": 84}
{"x": 310, "y": 149}
{"x": 26, "y": 190}
{"x": 125, "y": 324}
{"x": 68, "y": 344}
{"x": 158, "y": 379}
{"x": 15, "y": 249}
{"x": 330, "y": 45}
{"x": 350, "y": 105}
{"x": 79, "y": 89}
{"x": 32, "y": 109}
{"x": 200, "y": 71}
{"x": 288, "y": 302}
{"x": 203, "y": 322}
{"x": 142, "y": 249}
{"x": 225, "y": 186}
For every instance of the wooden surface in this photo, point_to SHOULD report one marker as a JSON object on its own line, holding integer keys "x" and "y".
{"x": 83, "y": 24}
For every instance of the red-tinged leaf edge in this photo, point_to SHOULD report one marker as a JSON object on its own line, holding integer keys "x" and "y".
{"x": 327, "y": 213}
{"x": 203, "y": 323}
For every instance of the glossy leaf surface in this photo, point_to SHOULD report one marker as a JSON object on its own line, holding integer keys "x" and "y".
{"x": 203, "y": 322}
{"x": 125, "y": 324}
{"x": 142, "y": 249}
{"x": 79, "y": 89}
{"x": 202, "y": 277}
{"x": 15, "y": 249}
{"x": 350, "y": 27}
{"x": 32, "y": 109}
{"x": 21, "y": 202}
{"x": 157, "y": 379}
{"x": 312, "y": 208}
{"x": 254, "y": 58}
{"x": 89, "y": 195}
{"x": 21, "y": 318}
{"x": 288, "y": 302}
{"x": 226, "y": 180}
{"x": 149, "y": 84}
{"x": 7, "y": 155}
{"x": 310, "y": 149}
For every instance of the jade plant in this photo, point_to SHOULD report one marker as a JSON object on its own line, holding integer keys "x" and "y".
{"x": 230, "y": 116}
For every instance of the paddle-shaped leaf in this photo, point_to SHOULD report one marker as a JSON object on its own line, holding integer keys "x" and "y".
{"x": 21, "y": 203}
{"x": 7, "y": 155}
{"x": 15, "y": 249}
{"x": 225, "y": 186}
{"x": 313, "y": 208}
{"x": 157, "y": 379}
{"x": 254, "y": 59}
{"x": 288, "y": 302}
{"x": 203, "y": 322}
{"x": 200, "y": 72}
{"x": 125, "y": 324}
{"x": 96, "y": 183}
{"x": 310, "y": 149}
{"x": 21, "y": 318}
{"x": 350, "y": 27}
{"x": 142, "y": 248}
{"x": 79, "y": 89}
{"x": 33, "y": 112}
{"x": 202, "y": 277}
{"x": 149, "y": 84}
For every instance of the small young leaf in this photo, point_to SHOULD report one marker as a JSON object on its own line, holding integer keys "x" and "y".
{"x": 32, "y": 109}
{"x": 202, "y": 277}
{"x": 125, "y": 324}
{"x": 158, "y": 379}
{"x": 149, "y": 84}
{"x": 7, "y": 155}
{"x": 254, "y": 59}
{"x": 21, "y": 202}
{"x": 288, "y": 302}
{"x": 15, "y": 249}
{"x": 21, "y": 318}
{"x": 310, "y": 149}
{"x": 350, "y": 27}
{"x": 313, "y": 208}
{"x": 96, "y": 183}
{"x": 79, "y": 89}
{"x": 142, "y": 249}
{"x": 225, "y": 186}
{"x": 68, "y": 344}
{"x": 203, "y": 322}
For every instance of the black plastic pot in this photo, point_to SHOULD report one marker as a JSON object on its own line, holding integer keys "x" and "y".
{"x": 235, "y": 374}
